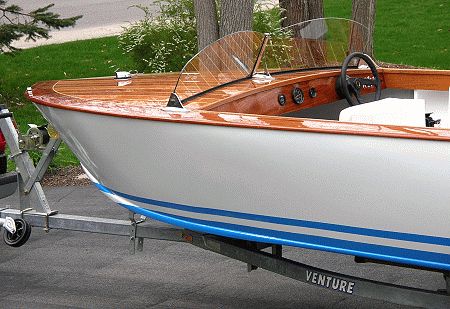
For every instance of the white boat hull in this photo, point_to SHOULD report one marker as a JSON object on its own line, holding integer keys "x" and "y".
{"x": 377, "y": 197}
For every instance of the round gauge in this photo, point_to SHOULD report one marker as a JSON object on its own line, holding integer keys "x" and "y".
{"x": 297, "y": 95}
{"x": 281, "y": 99}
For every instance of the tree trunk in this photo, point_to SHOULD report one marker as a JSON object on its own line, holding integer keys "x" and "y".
{"x": 295, "y": 11}
{"x": 309, "y": 50}
{"x": 364, "y": 12}
{"x": 207, "y": 26}
{"x": 236, "y": 15}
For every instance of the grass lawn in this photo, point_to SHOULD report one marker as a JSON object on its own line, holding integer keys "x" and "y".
{"x": 87, "y": 58}
{"x": 406, "y": 32}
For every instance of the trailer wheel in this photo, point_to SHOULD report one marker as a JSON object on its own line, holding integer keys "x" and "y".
{"x": 20, "y": 237}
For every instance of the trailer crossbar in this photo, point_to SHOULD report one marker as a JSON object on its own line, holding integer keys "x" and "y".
{"x": 95, "y": 225}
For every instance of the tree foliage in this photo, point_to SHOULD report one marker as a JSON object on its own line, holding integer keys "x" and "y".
{"x": 16, "y": 24}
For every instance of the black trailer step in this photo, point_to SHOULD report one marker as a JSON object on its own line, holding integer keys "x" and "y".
{"x": 8, "y": 184}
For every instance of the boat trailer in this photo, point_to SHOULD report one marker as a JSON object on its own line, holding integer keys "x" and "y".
{"x": 17, "y": 225}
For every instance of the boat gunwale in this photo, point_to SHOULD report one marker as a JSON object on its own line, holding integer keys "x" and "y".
{"x": 257, "y": 121}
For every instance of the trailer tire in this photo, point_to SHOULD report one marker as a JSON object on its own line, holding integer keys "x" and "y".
{"x": 20, "y": 237}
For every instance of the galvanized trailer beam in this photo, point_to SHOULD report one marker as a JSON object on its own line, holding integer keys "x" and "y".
{"x": 94, "y": 225}
{"x": 43, "y": 164}
{"x": 345, "y": 284}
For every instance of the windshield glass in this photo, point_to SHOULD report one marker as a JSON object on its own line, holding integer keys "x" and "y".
{"x": 315, "y": 44}
{"x": 319, "y": 43}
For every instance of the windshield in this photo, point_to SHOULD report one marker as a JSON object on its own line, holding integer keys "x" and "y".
{"x": 315, "y": 44}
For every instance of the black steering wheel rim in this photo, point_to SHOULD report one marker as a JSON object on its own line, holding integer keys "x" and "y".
{"x": 346, "y": 84}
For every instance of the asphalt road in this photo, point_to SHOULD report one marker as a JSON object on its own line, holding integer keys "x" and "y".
{"x": 64, "y": 269}
{"x": 100, "y": 18}
{"x": 95, "y": 13}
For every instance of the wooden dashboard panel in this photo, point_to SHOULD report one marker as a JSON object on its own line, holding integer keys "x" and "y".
{"x": 267, "y": 103}
{"x": 416, "y": 79}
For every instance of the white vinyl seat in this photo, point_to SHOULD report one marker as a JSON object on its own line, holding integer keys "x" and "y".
{"x": 437, "y": 103}
{"x": 393, "y": 111}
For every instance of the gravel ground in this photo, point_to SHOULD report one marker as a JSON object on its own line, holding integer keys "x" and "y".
{"x": 66, "y": 176}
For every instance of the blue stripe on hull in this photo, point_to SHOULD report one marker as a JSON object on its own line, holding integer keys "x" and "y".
{"x": 434, "y": 240}
{"x": 392, "y": 254}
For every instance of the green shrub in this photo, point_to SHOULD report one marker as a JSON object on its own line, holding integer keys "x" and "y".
{"x": 163, "y": 43}
{"x": 166, "y": 42}
{"x": 266, "y": 16}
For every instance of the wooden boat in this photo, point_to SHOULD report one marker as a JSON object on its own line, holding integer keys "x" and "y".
{"x": 250, "y": 145}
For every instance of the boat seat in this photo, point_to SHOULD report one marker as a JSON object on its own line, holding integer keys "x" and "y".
{"x": 437, "y": 103}
{"x": 393, "y": 111}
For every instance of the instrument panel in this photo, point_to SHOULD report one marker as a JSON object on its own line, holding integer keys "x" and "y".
{"x": 286, "y": 95}
{"x": 286, "y": 98}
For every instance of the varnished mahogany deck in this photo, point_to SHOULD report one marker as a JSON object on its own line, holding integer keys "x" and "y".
{"x": 254, "y": 105}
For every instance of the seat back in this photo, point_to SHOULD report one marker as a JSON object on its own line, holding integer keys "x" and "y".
{"x": 393, "y": 111}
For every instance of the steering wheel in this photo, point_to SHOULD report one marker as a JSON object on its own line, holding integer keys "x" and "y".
{"x": 347, "y": 85}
